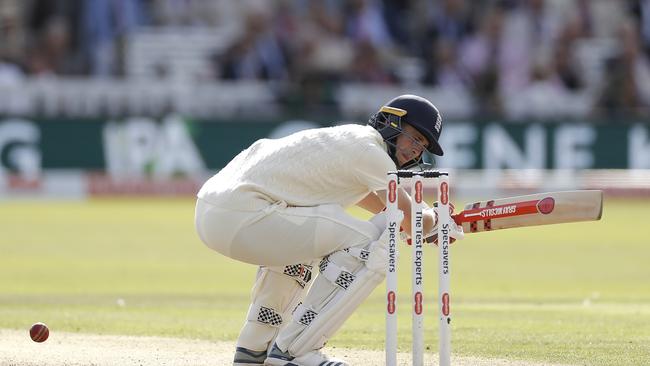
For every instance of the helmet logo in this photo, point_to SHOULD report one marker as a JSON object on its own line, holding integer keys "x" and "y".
{"x": 438, "y": 125}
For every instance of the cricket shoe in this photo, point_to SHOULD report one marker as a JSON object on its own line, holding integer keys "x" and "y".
{"x": 313, "y": 358}
{"x": 247, "y": 357}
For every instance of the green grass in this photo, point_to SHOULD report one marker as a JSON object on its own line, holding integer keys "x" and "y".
{"x": 573, "y": 293}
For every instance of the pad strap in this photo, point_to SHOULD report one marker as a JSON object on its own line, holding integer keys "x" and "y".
{"x": 265, "y": 315}
{"x": 359, "y": 253}
{"x": 304, "y": 315}
{"x": 335, "y": 274}
{"x": 299, "y": 272}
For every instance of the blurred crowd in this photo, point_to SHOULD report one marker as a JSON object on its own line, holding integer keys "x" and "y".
{"x": 586, "y": 56}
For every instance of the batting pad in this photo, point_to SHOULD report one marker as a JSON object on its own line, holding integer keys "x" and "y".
{"x": 346, "y": 279}
{"x": 276, "y": 293}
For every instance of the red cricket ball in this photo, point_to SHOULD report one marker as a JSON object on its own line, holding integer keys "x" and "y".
{"x": 39, "y": 332}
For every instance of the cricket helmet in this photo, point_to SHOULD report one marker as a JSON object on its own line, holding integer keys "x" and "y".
{"x": 418, "y": 112}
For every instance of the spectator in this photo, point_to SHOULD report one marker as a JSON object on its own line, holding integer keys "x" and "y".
{"x": 367, "y": 66}
{"x": 13, "y": 35}
{"x": 498, "y": 50}
{"x": 567, "y": 69}
{"x": 321, "y": 55}
{"x": 542, "y": 97}
{"x": 530, "y": 30}
{"x": 365, "y": 23}
{"x": 443, "y": 68}
{"x": 56, "y": 25}
{"x": 51, "y": 51}
{"x": 105, "y": 24}
{"x": 319, "y": 41}
{"x": 626, "y": 90}
{"x": 602, "y": 18}
{"x": 258, "y": 55}
{"x": 395, "y": 12}
{"x": 452, "y": 20}
{"x": 480, "y": 55}
{"x": 640, "y": 10}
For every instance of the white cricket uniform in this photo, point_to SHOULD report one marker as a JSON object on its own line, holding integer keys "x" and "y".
{"x": 281, "y": 201}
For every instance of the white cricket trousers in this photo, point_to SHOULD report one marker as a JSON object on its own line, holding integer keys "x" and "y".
{"x": 279, "y": 235}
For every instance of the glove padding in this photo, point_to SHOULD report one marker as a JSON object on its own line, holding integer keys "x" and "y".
{"x": 456, "y": 231}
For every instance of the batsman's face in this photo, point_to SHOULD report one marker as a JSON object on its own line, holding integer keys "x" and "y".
{"x": 410, "y": 144}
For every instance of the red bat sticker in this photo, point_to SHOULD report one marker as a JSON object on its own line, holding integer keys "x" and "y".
{"x": 496, "y": 212}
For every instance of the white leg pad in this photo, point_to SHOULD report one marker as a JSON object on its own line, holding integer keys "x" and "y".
{"x": 277, "y": 292}
{"x": 346, "y": 279}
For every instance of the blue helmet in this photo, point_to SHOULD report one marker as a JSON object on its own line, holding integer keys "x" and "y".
{"x": 418, "y": 112}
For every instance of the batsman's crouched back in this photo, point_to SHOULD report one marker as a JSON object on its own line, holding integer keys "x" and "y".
{"x": 216, "y": 226}
{"x": 277, "y": 235}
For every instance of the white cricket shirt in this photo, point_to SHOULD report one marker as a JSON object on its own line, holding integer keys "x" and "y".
{"x": 331, "y": 165}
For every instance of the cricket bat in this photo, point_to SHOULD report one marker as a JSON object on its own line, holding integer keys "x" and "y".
{"x": 531, "y": 210}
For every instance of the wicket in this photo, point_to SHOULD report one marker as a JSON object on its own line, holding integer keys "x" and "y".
{"x": 417, "y": 238}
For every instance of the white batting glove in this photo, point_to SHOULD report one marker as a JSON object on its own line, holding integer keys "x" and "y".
{"x": 455, "y": 231}
{"x": 432, "y": 235}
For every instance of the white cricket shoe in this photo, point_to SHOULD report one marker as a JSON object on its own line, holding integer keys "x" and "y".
{"x": 247, "y": 357}
{"x": 313, "y": 358}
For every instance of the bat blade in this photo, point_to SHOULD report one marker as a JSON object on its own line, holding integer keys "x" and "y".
{"x": 531, "y": 210}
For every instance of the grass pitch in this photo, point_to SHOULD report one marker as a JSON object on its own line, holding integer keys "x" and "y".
{"x": 572, "y": 293}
